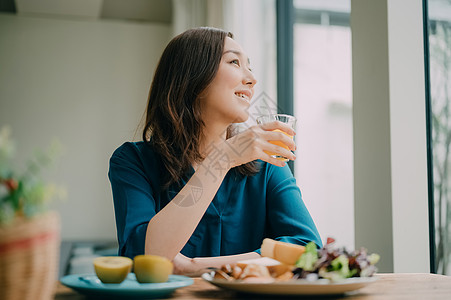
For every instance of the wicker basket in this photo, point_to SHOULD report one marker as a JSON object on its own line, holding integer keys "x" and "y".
{"x": 29, "y": 257}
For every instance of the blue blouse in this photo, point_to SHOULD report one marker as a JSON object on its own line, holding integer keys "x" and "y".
{"x": 244, "y": 211}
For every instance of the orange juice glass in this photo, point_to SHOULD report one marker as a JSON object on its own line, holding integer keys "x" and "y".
{"x": 287, "y": 119}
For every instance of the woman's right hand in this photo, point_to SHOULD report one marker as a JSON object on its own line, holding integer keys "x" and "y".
{"x": 252, "y": 143}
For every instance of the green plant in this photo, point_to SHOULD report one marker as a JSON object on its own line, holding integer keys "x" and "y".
{"x": 25, "y": 194}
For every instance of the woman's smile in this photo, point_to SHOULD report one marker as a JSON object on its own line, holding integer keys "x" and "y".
{"x": 244, "y": 95}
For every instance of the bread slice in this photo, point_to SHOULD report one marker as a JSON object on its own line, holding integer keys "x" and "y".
{"x": 262, "y": 261}
{"x": 286, "y": 253}
{"x": 275, "y": 267}
{"x": 267, "y": 248}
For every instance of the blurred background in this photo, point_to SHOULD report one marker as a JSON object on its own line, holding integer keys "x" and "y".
{"x": 79, "y": 71}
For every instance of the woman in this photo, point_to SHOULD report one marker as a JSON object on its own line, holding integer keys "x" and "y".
{"x": 191, "y": 192}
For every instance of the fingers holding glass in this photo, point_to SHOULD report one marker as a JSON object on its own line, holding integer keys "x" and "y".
{"x": 279, "y": 123}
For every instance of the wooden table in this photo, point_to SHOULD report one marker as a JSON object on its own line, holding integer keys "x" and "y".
{"x": 389, "y": 286}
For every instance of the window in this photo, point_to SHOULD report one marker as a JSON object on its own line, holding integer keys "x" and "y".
{"x": 323, "y": 107}
{"x": 440, "y": 91}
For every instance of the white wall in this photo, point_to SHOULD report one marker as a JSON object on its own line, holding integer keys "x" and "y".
{"x": 84, "y": 83}
{"x": 390, "y": 164}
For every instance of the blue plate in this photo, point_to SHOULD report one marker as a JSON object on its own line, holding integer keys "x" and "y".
{"x": 90, "y": 285}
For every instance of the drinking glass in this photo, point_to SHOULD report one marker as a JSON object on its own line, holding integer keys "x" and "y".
{"x": 287, "y": 119}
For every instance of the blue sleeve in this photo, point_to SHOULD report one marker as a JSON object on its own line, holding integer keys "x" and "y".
{"x": 288, "y": 217}
{"x": 134, "y": 204}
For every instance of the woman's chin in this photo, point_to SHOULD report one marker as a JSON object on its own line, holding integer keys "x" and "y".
{"x": 242, "y": 117}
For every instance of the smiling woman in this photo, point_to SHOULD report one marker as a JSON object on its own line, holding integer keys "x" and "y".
{"x": 191, "y": 190}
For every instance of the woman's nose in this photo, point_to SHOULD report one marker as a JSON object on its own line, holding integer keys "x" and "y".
{"x": 249, "y": 78}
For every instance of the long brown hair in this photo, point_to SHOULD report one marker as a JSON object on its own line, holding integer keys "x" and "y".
{"x": 173, "y": 125}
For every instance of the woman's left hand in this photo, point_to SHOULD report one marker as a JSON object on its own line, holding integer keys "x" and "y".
{"x": 184, "y": 265}
{"x": 196, "y": 266}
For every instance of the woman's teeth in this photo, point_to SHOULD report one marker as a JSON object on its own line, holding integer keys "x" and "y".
{"x": 241, "y": 95}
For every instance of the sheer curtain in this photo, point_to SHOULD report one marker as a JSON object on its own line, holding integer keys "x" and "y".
{"x": 195, "y": 13}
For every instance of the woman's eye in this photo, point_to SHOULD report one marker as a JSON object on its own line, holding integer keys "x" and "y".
{"x": 236, "y": 62}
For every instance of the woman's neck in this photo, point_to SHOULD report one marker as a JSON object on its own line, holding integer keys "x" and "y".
{"x": 212, "y": 136}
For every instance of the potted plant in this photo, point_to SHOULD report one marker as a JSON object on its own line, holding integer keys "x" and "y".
{"x": 29, "y": 233}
